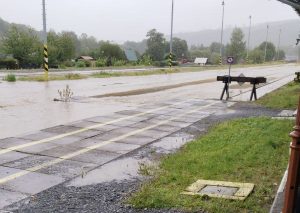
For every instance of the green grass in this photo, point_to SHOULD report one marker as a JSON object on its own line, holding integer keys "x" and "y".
{"x": 10, "y": 78}
{"x": 286, "y": 97}
{"x": 253, "y": 150}
{"x": 41, "y": 78}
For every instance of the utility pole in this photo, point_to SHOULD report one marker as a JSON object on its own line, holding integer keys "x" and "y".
{"x": 249, "y": 35}
{"x": 266, "y": 45}
{"x": 46, "y": 62}
{"x": 222, "y": 31}
{"x": 278, "y": 46}
{"x": 171, "y": 38}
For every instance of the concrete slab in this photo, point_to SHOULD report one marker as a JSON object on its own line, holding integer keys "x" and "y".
{"x": 93, "y": 156}
{"x": 220, "y": 190}
{"x": 61, "y": 129}
{"x": 129, "y": 112}
{"x": 81, "y": 124}
{"x": 165, "y": 128}
{"x": 38, "y": 148}
{"x": 66, "y": 169}
{"x": 127, "y": 123}
{"x": 138, "y": 140}
{"x": 66, "y": 140}
{"x": 9, "y": 197}
{"x": 155, "y": 134}
{"x": 11, "y": 156}
{"x": 121, "y": 148}
{"x": 88, "y": 133}
{"x": 172, "y": 143}
{"x": 115, "y": 133}
{"x": 10, "y": 142}
{"x": 119, "y": 170}
{"x": 103, "y": 119}
{"x": 31, "y": 183}
{"x": 38, "y": 136}
{"x": 286, "y": 113}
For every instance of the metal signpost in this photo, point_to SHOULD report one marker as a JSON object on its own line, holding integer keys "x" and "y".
{"x": 46, "y": 62}
{"x": 171, "y": 38}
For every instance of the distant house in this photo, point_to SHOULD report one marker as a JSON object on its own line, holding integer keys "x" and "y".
{"x": 85, "y": 58}
{"x": 201, "y": 61}
{"x": 131, "y": 55}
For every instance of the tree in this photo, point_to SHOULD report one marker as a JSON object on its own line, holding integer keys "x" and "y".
{"x": 180, "y": 47}
{"x": 108, "y": 50}
{"x": 256, "y": 56}
{"x": 237, "y": 46}
{"x": 271, "y": 50}
{"x": 24, "y": 45}
{"x": 215, "y": 47}
{"x": 281, "y": 55}
{"x": 88, "y": 44}
{"x": 155, "y": 45}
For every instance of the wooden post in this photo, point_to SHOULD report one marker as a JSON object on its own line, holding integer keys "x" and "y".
{"x": 291, "y": 191}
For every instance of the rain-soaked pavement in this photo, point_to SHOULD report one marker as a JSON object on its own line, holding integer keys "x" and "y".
{"x": 46, "y": 143}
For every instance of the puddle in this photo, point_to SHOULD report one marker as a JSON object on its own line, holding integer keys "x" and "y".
{"x": 119, "y": 170}
{"x": 172, "y": 143}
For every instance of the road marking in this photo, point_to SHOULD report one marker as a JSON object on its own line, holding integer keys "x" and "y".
{"x": 47, "y": 140}
{"x": 90, "y": 148}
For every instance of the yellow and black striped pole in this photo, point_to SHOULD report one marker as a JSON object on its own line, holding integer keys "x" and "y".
{"x": 170, "y": 60}
{"x": 46, "y": 61}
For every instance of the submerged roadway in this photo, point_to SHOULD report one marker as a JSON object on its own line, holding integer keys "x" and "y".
{"x": 46, "y": 143}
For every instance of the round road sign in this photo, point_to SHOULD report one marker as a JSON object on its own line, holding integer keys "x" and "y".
{"x": 230, "y": 60}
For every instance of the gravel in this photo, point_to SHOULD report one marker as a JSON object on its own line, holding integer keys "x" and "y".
{"x": 110, "y": 197}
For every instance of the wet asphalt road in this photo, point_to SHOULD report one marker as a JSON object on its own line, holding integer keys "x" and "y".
{"x": 84, "y": 150}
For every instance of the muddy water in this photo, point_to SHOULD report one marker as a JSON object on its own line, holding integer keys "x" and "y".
{"x": 29, "y": 106}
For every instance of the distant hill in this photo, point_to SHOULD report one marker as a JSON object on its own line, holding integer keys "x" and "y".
{"x": 290, "y": 31}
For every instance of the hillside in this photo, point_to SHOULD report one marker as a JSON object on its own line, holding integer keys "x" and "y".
{"x": 290, "y": 31}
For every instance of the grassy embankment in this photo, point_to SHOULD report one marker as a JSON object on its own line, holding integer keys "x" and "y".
{"x": 253, "y": 150}
{"x": 55, "y": 76}
{"x": 41, "y": 78}
{"x": 284, "y": 98}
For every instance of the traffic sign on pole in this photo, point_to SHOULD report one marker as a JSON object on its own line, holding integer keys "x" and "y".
{"x": 230, "y": 60}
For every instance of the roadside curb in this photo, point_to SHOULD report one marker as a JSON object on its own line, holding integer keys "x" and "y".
{"x": 279, "y": 199}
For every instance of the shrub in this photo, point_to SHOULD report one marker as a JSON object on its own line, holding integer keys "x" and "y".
{"x": 80, "y": 64}
{"x": 9, "y": 63}
{"x": 73, "y": 76}
{"x": 10, "y": 78}
{"x": 87, "y": 63}
{"x": 69, "y": 64}
{"x": 101, "y": 62}
{"x": 117, "y": 63}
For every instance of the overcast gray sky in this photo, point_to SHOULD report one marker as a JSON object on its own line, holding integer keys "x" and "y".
{"x": 121, "y": 20}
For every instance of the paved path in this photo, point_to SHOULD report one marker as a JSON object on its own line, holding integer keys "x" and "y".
{"x": 35, "y": 162}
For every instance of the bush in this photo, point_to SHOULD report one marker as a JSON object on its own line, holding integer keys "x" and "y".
{"x": 145, "y": 60}
{"x": 69, "y": 64}
{"x": 116, "y": 62}
{"x": 80, "y": 64}
{"x": 101, "y": 62}
{"x": 10, "y": 78}
{"x": 87, "y": 63}
{"x": 9, "y": 63}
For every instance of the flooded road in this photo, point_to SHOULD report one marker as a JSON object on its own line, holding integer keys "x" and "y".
{"x": 29, "y": 106}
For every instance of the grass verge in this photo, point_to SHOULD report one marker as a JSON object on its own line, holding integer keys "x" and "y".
{"x": 252, "y": 150}
{"x": 284, "y": 98}
{"x": 41, "y": 78}
{"x": 10, "y": 78}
